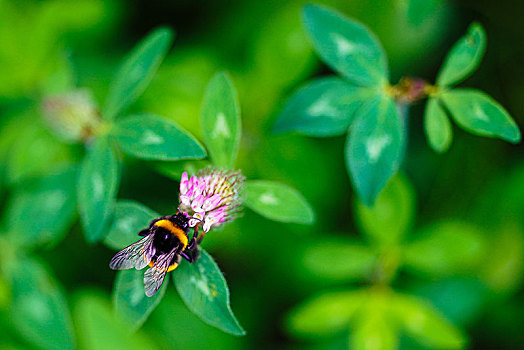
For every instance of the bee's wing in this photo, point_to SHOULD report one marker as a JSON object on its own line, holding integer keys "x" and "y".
{"x": 154, "y": 276}
{"x": 137, "y": 255}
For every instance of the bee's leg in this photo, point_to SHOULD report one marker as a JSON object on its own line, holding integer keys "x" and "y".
{"x": 144, "y": 232}
{"x": 191, "y": 255}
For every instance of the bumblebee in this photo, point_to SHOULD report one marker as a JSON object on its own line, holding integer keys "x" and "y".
{"x": 164, "y": 243}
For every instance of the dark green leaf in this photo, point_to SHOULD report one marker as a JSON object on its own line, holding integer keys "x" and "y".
{"x": 38, "y": 309}
{"x": 137, "y": 71}
{"x": 152, "y": 137}
{"x": 325, "y": 314}
{"x": 42, "y": 210}
{"x": 324, "y": 107}
{"x": 129, "y": 219}
{"x": 421, "y": 321}
{"x": 97, "y": 189}
{"x": 130, "y": 298}
{"x": 445, "y": 248}
{"x": 480, "y": 114}
{"x": 346, "y": 45}
{"x": 437, "y": 126}
{"x": 375, "y": 147}
{"x": 390, "y": 217}
{"x": 203, "y": 289}
{"x": 278, "y": 202}
{"x": 464, "y": 57}
{"x": 220, "y": 120}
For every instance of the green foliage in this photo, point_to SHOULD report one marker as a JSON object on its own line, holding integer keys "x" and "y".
{"x": 203, "y": 289}
{"x": 346, "y": 45}
{"x": 42, "y": 210}
{"x": 464, "y": 57}
{"x": 437, "y": 126}
{"x": 278, "y": 202}
{"x": 97, "y": 189}
{"x": 220, "y": 120}
{"x": 375, "y": 147}
{"x": 151, "y": 137}
{"x": 136, "y": 71}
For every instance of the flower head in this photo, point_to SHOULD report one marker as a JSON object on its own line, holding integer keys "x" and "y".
{"x": 212, "y": 197}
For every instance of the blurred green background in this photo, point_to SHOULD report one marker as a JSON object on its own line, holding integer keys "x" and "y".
{"x": 270, "y": 267}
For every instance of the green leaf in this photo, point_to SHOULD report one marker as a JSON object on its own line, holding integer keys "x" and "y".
{"x": 99, "y": 327}
{"x": 148, "y": 136}
{"x": 339, "y": 260}
{"x": 464, "y": 57}
{"x": 136, "y": 71}
{"x": 278, "y": 202}
{"x": 130, "y": 300}
{"x": 374, "y": 147}
{"x": 346, "y": 45}
{"x": 203, "y": 289}
{"x": 323, "y": 107}
{"x": 42, "y": 210}
{"x": 437, "y": 126}
{"x": 38, "y": 309}
{"x": 445, "y": 248}
{"x": 174, "y": 170}
{"x": 479, "y": 114}
{"x": 424, "y": 323}
{"x": 390, "y": 217}
{"x": 97, "y": 189}
{"x": 129, "y": 219}
{"x": 220, "y": 120}
{"x": 325, "y": 314}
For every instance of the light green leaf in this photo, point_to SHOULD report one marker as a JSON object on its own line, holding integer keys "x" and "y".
{"x": 325, "y": 314}
{"x": 152, "y": 137}
{"x": 445, "y": 248}
{"x": 372, "y": 328}
{"x": 42, "y": 210}
{"x": 374, "y": 147}
{"x": 479, "y": 114}
{"x": 203, "y": 289}
{"x": 129, "y": 219}
{"x": 136, "y": 71}
{"x": 390, "y": 217}
{"x": 174, "y": 170}
{"x": 346, "y": 45}
{"x": 464, "y": 57}
{"x": 323, "y": 107}
{"x": 97, "y": 189}
{"x": 129, "y": 297}
{"x": 220, "y": 120}
{"x": 99, "y": 327}
{"x": 424, "y": 323}
{"x": 437, "y": 126}
{"x": 278, "y": 202}
{"x": 339, "y": 260}
{"x": 38, "y": 309}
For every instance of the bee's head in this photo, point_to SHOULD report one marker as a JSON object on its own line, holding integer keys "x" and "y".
{"x": 182, "y": 221}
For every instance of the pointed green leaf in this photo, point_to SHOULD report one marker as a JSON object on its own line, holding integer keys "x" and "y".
{"x": 464, "y": 57}
{"x": 325, "y": 314}
{"x": 374, "y": 147}
{"x": 446, "y": 248}
{"x": 129, "y": 297}
{"x": 479, "y": 114}
{"x": 278, "y": 202}
{"x": 390, "y": 217}
{"x": 148, "y": 136}
{"x": 220, "y": 120}
{"x": 136, "y": 71}
{"x": 97, "y": 189}
{"x": 346, "y": 45}
{"x": 437, "y": 126}
{"x": 49, "y": 203}
{"x": 424, "y": 323}
{"x": 38, "y": 309}
{"x": 323, "y": 107}
{"x": 129, "y": 219}
{"x": 203, "y": 289}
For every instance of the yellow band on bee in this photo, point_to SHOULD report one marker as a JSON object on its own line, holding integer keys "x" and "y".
{"x": 169, "y": 269}
{"x": 176, "y": 231}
